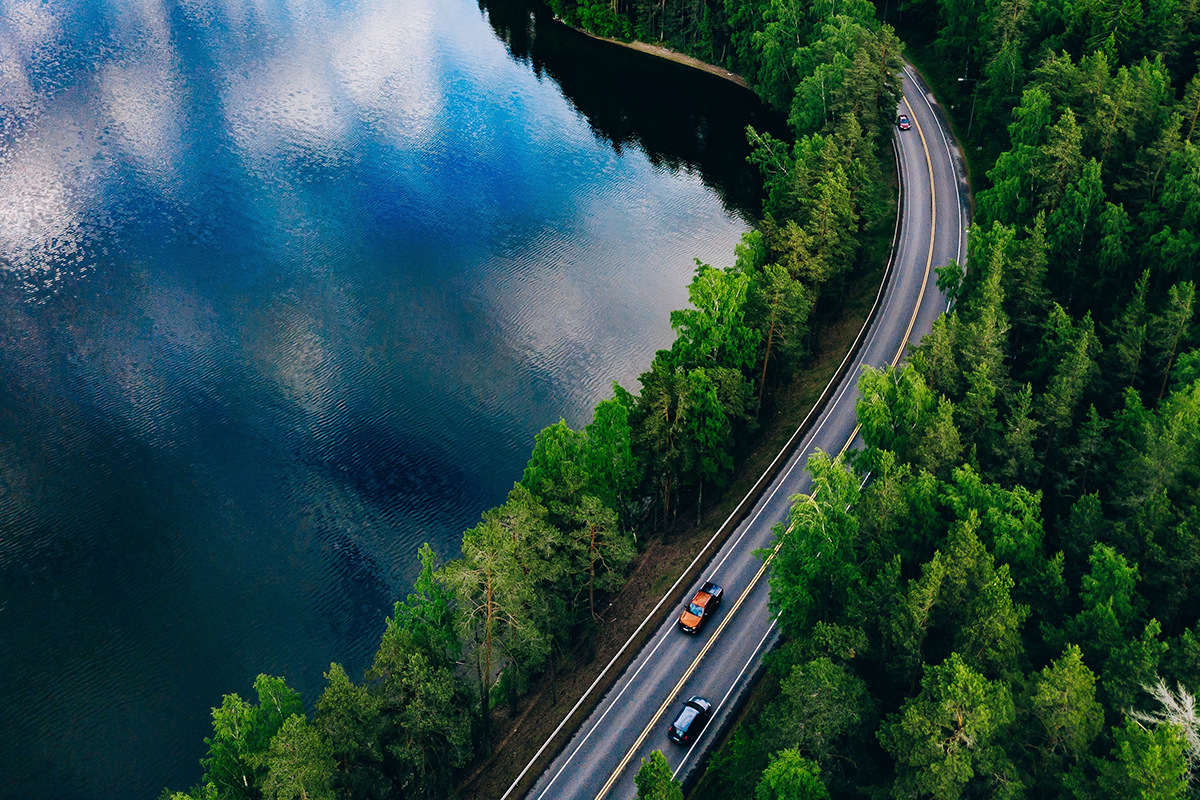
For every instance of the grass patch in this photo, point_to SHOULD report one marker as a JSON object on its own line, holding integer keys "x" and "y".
{"x": 660, "y": 584}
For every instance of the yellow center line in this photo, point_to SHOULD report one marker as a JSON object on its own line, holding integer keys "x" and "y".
{"x": 766, "y": 562}
{"x": 687, "y": 674}
{"x": 928, "y": 258}
{"x": 932, "y": 234}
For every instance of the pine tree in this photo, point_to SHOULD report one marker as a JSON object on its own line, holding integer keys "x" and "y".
{"x": 949, "y": 735}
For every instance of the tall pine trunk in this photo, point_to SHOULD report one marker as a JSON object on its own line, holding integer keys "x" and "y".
{"x": 762, "y": 385}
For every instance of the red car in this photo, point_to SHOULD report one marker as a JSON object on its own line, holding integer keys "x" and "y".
{"x": 902, "y": 122}
{"x": 704, "y": 604}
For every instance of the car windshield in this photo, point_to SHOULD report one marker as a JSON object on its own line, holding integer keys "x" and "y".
{"x": 697, "y": 610}
{"x": 685, "y": 719}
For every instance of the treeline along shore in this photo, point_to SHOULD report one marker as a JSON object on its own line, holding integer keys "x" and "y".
{"x": 1009, "y": 607}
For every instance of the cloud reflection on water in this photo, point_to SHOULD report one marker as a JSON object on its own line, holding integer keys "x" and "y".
{"x": 286, "y": 289}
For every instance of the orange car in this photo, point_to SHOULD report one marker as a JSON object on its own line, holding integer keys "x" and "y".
{"x": 703, "y": 605}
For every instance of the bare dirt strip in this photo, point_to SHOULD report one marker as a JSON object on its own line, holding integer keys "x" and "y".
{"x": 671, "y": 55}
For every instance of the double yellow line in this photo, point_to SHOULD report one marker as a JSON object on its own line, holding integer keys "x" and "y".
{"x": 654, "y": 721}
{"x": 928, "y": 257}
{"x": 675, "y": 691}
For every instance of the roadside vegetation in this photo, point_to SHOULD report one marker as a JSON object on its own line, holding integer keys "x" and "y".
{"x": 481, "y": 630}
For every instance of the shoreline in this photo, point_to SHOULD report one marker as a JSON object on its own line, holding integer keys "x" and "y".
{"x": 658, "y": 51}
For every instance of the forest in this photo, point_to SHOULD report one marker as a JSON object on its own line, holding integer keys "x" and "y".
{"x": 998, "y": 596}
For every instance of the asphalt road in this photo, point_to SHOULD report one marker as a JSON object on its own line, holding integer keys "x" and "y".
{"x": 604, "y": 754}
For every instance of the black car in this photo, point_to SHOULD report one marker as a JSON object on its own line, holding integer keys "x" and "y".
{"x": 902, "y": 122}
{"x": 691, "y": 720}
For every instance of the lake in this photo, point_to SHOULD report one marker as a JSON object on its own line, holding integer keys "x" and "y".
{"x": 287, "y": 289}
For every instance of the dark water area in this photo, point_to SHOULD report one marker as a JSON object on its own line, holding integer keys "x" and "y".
{"x": 680, "y": 120}
{"x": 287, "y": 289}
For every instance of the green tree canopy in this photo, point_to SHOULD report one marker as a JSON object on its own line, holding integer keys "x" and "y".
{"x": 714, "y": 333}
{"x": 299, "y": 764}
{"x": 790, "y": 776}
{"x": 242, "y": 732}
{"x": 815, "y": 568}
{"x": 950, "y": 735}
{"x": 654, "y": 780}
{"x": 1146, "y": 764}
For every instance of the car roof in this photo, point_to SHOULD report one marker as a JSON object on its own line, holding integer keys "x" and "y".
{"x": 686, "y": 716}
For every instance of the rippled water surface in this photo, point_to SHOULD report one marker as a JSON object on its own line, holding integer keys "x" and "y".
{"x": 286, "y": 289}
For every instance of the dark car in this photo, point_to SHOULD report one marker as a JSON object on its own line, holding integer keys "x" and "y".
{"x": 691, "y": 720}
{"x": 902, "y": 122}
{"x": 704, "y": 604}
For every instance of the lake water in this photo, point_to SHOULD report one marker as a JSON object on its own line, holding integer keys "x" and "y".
{"x": 286, "y": 289}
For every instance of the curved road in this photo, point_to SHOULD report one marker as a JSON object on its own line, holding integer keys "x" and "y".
{"x": 631, "y": 720}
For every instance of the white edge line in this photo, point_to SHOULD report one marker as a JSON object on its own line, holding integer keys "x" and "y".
{"x": 762, "y": 506}
{"x": 788, "y": 449}
{"x": 959, "y": 252}
{"x": 662, "y": 640}
{"x": 867, "y": 477}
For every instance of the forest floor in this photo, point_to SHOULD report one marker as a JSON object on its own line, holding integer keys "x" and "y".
{"x": 520, "y": 731}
